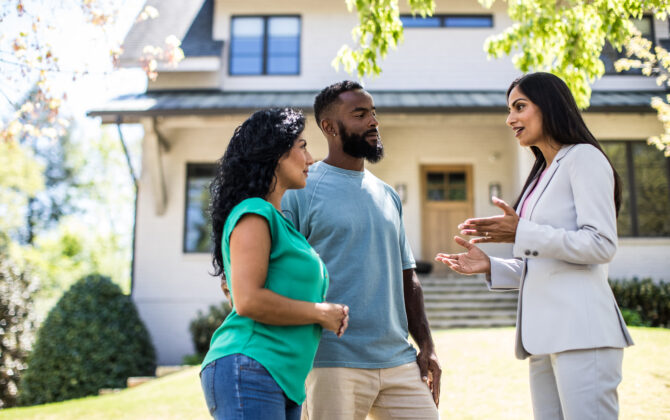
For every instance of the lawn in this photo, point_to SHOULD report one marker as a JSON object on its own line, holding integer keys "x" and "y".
{"x": 481, "y": 380}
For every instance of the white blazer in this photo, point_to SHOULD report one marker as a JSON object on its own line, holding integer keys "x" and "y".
{"x": 562, "y": 249}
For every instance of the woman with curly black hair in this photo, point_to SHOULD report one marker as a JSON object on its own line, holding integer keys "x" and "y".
{"x": 260, "y": 356}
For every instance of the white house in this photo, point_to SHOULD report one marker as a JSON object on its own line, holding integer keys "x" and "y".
{"x": 442, "y": 108}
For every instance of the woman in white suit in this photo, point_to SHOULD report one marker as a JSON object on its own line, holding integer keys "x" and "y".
{"x": 563, "y": 226}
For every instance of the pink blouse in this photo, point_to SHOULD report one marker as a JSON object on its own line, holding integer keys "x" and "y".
{"x": 530, "y": 194}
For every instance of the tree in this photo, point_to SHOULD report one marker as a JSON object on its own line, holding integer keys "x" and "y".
{"x": 44, "y": 177}
{"x": 17, "y": 322}
{"x": 562, "y": 37}
{"x": 27, "y": 46}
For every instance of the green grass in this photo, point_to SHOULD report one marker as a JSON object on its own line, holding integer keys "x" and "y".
{"x": 481, "y": 380}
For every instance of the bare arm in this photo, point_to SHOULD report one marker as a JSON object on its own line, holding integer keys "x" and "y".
{"x": 420, "y": 331}
{"x": 250, "y": 244}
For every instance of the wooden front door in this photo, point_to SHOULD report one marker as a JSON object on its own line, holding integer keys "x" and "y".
{"x": 447, "y": 201}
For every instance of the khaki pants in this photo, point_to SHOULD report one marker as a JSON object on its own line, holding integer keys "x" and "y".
{"x": 354, "y": 394}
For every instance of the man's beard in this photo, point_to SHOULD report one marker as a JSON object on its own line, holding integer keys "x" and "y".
{"x": 357, "y": 146}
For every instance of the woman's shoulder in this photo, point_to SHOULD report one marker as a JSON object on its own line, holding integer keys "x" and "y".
{"x": 586, "y": 153}
{"x": 254, "y": 205}
{"x": 586, "y": 160}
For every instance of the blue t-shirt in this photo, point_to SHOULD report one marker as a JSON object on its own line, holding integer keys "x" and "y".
{"x": 354, "y": 221}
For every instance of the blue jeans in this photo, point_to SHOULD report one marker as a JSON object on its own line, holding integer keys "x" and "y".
{"x": 237, "y": 387}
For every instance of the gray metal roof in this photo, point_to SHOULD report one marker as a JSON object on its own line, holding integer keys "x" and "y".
{"x": 217, "y": 102}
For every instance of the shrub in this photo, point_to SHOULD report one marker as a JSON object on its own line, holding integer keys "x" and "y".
{"x": 92, "y": 338}
{"x": 202, "y": 327}
{"x": 633, "y": 318}
{"x": 17, "y": 323}
{"x": 650, "y": 300}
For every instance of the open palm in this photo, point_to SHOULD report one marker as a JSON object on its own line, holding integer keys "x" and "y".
{"x": 473, "y": 261}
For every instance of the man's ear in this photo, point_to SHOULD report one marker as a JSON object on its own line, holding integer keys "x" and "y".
{"x": 328, "y": 127}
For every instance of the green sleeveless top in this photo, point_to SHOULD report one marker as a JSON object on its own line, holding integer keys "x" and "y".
{"x": 296, "y": 271}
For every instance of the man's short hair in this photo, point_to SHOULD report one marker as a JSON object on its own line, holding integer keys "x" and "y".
{"x": 330, "y": 95}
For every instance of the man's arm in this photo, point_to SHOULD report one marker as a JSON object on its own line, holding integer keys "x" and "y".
{"x": 420, "y": 331}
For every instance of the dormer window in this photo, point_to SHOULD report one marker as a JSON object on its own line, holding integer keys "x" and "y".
{"x": 610, "y": 55}
{"x": 265, "y": 45}
{"x": 447, "y": 21}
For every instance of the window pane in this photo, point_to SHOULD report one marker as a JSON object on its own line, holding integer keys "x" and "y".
{"x": 468, "y": 21}
{"x": 198, "y": 226}
{"x": 644, "y": 25}
{"x": 246, "y": 46}
{"x": 239, "y": 65}
{"x": 283, "y": 65}
{"x": 652, "y": 189}
{"x": 457, "y": 190}
{"x": 435, "y": 186}
{"x": 284, "y": 26}
{"x": 616, "y": 151}
{"x": 420, "y": 22}
{"x": 284, "y": 46}
{"x": 610, "y": 54}
{"x": 247, "y": 27}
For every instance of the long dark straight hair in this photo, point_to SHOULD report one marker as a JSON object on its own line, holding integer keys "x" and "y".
{"x": 561, "y": 121}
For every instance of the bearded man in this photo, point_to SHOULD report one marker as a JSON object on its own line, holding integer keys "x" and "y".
{"x": 354, "y": 221}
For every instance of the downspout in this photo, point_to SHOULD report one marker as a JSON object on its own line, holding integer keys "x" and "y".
{"x": 134, "y": 179}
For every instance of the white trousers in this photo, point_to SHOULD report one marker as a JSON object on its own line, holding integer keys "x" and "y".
{"x": 576, "y": 384}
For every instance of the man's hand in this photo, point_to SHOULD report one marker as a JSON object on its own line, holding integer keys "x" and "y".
{"x": 431, "y": 373}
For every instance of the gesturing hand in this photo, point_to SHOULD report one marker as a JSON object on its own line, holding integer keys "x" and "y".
{"x": 334, "y": 317}
{"x": 500, "y": 228}
{"x": 471, "y": 262}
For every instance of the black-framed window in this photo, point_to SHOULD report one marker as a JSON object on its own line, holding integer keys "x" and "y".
{"x": 610, "y": 55}
{"x": 264, "y": 45}
{"x": 645, "y": 172}
{"x": 447, "y": 21}
{"x": 197, "y": 224}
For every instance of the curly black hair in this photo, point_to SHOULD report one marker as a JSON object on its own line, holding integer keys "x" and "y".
{"x": 247, "y": 168}
{"x": 330, "y": 94}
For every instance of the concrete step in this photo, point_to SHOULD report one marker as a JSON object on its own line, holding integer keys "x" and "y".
{"x": 457, "y": 314}
{"x": 438, "y": 281}
{"x": 470, "y": 323}
{"x": 454, "y": 301}
{"x": 455, "y": 288}
{"x": 469, "y": 297}
{"x": 471, "y": 305}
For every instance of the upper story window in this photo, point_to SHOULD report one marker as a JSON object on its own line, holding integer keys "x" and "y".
{"x": 645, "y": 172}
{"x": 197, "y": 224}
{"x": 265, "y": 45}
{"x": 447, "y": 21}
{"x": 610, "y": 55}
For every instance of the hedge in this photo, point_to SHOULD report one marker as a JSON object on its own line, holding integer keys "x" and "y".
{"x": 651, "y": 301}
{"x": 92, "y": 338}
{"x": 202, "y": 327}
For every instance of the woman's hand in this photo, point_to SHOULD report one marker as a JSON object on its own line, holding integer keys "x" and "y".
{"x": 472, "y": 262}
{"x": 334, "y": 317}
{"x": 493, "y": 229}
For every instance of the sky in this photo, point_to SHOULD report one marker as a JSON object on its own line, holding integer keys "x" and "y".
{"x": 79, "y": 46}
